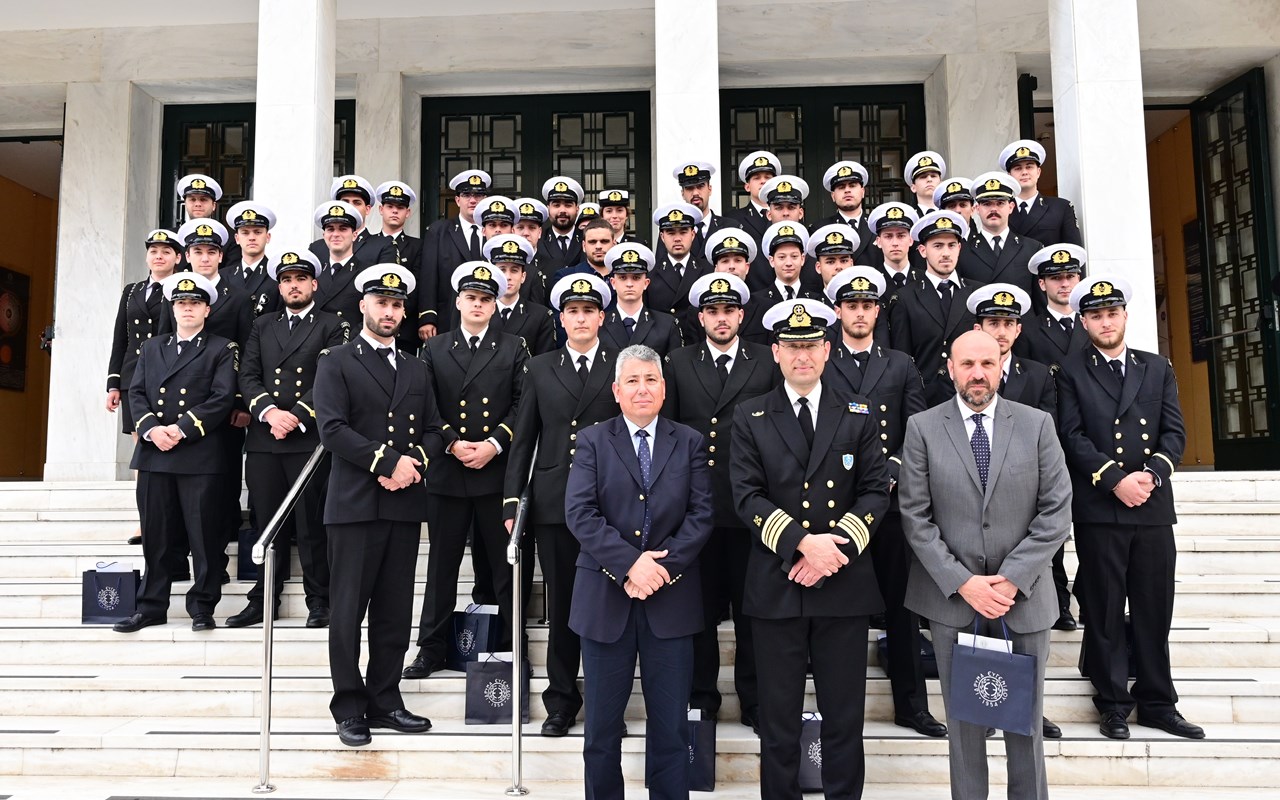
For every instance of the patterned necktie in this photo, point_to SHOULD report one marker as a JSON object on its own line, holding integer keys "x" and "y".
{"x": 722, "y": 367}
{"x": 981, "y": 449}
{"x": 944, "y": 292}
{"x": 995, "y": 246}
{"x": 1068, "y": 324}
{"x": 583, "y": 371}
{"x": 806, "y": 420}
{"x": 646, "y": 463}
{"x": 475, "y": 344}
{"x": 630, "y": 325}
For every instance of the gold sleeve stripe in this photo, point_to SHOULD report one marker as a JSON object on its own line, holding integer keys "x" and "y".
{"x": 418, "y": 447}
{"x": 511, "y": 500}
{"x": 114, "y": 375}
{"x": 309, "y": 409}
{"x": 510, "y": 433}
{"x": 256, "y": 399}
{"x": 1097, "y": 476}
{"x": 896, "y": 460}
{"x": 377, "y": 456}
{"x": 198, "y": 423}
{"x": 1168, "y": 461}
{"x": 857, "y": 530}
{"x": 773, "y": 527}
{"x": 144, "y": 416}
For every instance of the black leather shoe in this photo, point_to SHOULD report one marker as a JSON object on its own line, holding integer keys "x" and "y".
{"x": 1173, "y": 723}
{"x": 401, "y": 720}
{"x": 1113, "y": 725}
{"x": 1066, "y": 622}
{"x": 354, "y": 732}
{"x": 922, "y": 722}
{"x": 252, "y": 615}
{"x": 134, "y": 540}
{"x": 136, "y": 623}
{"x": 203, "y": 622}
{"x": 318, "y": 617}
{"x": 420, "y": 668}
{"x": 751, "y": 718}
{"x": 558, "y": 724}
{"x": 1050, "y": 730}
{"x": 990, "y": 732}
{"x": 877, "y": 621}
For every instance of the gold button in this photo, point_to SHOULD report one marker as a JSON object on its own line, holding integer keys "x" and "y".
{"x": 805, "y": 524}
{"x": 486, "y": 428}
{"x": 944, "y": 354}
{"x": 884, "y": 450}
{"x": 574, "y": 423}
{"x": 1117, "y": 422}
{"x": 486, "y": 413}
{"x": 411, "y": 430}
{"x": 573, "y": 437}
{"x": 462, "y": 430}
{"x": 463, "y": 415}
{"x": 572, "y": 450}
{"x": 160, "y": 414}
{"x": 831, "y": 504}
{"x": 390, "y": 415}
{"x": 462, "y": 404}
{"x": 161, "y": 390}
{"x": 806, "y": 485}
{"x": 714, "y": 420}
{"x": 1119, "y": 435}
{"x": 391, "y": 429}
{"x": 712, "y": 434}
{"x": 182, "y": 402}
{"x": 484, "y": 400}
{"x": 390, "y": 443}
{"x": 275, "y": 394}
{"x": 711, "y": 463}
{"x": 299, "y": 370}
{"x": 884, "y": 436}
{"x": 883, "y": 407}
{"x": 711, "y": 449}
{"x": 1142, "y": 422}
{"x": 1121, "y": 465}
{"x": 1119, "y": 450}
{"x": 161, "y": 402}
{"x": 182, "y": 391}
{"x": 410, "y": 417}
{"x": 1147, "y": 450}
{"x": 277, "y": 370}
{"x": 641, "y": 497}
{"x": 137, "y": 322}
{"x": 804, "y": 504}
{"x": 299, "y": 383}
{"x": 1145, "y": 437}
{"x": 831, "y": 523}
{"x": 831, "y": 484}
{"x": 277, "y": 381}
{"x": 637, "y": 533}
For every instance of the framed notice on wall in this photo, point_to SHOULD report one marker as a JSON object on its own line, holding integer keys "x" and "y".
{"x": 1197, "y": 315}
{"x": 15, "y": 303}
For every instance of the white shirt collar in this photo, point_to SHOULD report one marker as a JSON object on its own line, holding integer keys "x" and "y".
{"x": 845, "y": 345}
{"x": 503, "y": 306}
{"x": 1056, "y": 316}
{"x": 814, "y": 396}
{"x": 375, "y": 344}
{"x": 989, "y": 412}
{"x": 732, "y": 352}
{"x": 990, "y": 237}
{"x": 466, "y": 337}
{"x": 590, "y": 354}
{"x": 1008, "y": 362}
{"x": 244, "y": 265}
{"x": 935, "y": 280}
{"x": 651, "y": 428}
{"x": 303, "y": 312}
{"x": 854, "y": 220}
{"x": 1030, "y": 201}
{"x": 762, "y": 210}
{"x": 906, "y": 269}
{"x": 782, "y": 287}
{"x": 1123, "y": 357}
{"x": 216, "y": 279}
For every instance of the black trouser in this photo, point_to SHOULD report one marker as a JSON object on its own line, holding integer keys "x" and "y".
{"x": 233, "y": 479}
{"x": 723, "y": 568}
{"x": 558, "y": 555}
{"x": 482, "y": 590}
{"x": 177, "y": 512}
{"x": 837, "y": 649}
{"x": 372, "y": 566}
{"x": 269, "y": 477}
{"x": 891, "y": 558}
{"x": 449, "y": 519}
{"x": 1059, "y": 570}
{"x": 1133, "y": 563}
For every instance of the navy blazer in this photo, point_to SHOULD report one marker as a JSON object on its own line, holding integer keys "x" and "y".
{"x": 604, "y": 506}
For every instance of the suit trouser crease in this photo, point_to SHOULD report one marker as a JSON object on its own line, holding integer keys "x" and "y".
{"x": 176, "y": 511}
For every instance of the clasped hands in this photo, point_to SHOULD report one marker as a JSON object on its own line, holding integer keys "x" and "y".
{"x": 282, "y": 422}
{"x": 646, "y": 576}
{"x": 473, "y": 454}
{"x": 989, "y": 595}
{"x": 165, "y": 437}
{"x": 1135, "y": 488}
{"x": 406, "y": 474}
{"x": 820, "y": 557}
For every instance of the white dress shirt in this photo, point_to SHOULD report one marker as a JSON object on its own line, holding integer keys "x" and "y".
{"x": 988, "y": 418}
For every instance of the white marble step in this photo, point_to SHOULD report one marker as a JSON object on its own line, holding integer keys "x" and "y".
{"x": 1207, "y": 696}
{"x": 1194, "y": 643}
{"x": 1240, "y": 754}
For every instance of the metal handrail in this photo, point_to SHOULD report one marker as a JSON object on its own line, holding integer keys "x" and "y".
{"x": 517, "y": 788}
{"x": 265, "y": 556}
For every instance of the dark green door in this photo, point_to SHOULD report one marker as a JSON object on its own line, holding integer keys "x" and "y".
{"x": 1238, "y": 247}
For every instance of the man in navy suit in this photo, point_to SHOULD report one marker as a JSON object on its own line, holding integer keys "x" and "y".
{"x": 638, "y": 501}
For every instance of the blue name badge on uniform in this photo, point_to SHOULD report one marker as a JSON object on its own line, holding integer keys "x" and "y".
{"x": 847, "y": 461}
{"x": 858, "y": 408}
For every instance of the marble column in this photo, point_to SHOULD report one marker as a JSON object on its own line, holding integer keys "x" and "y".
{"x": 1101, "y": 144}
{"x": 379, "y": 121}
{"x": 972, "y": 110}
{"x": 293, "y": 158}
{"x": 108, "y": 201}
{"x": 686, "y": 94}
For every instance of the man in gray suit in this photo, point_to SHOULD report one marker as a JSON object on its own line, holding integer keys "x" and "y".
{"x": 986, "y": 502}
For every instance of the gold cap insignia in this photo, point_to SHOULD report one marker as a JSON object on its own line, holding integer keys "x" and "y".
{"x": 249, "y": 213}
{"x": 676, "y": 216}
{"x": 844, "y": 171}
{"x": 784, "y": 186}
{"x": 894, "y": 213}
{"x": 630, "y": 256}
{"x": 1022, "y": 152}
{"x": 350, "y": 183}
{"x": 588, "y": 212}
{"x": 925, "y": 162}
{"x": 560, "y": 186}
{"x": 731, "y": 242}
{"x": 198, "y": 183}
{"x": 799, "y": 318}
{"x": 944, "y": 224}
{"x": 1102, "y": 289}
{"x": 510, "y": 246}
{"x": 954, "y": 187}
{"x": 482, "y": 274}
{"x": 1061, "y": 257}
{"x": 580, "y": 287}
{"x": 760, "y": 161}
{"x": 475, "y": 180}
{"x": 691, "y": 170}
{"x": 337, "y": 211}
{"x": 289, "y": 258}
{"x": 719, "y": 286}
{"x": 992, "y": 184}
{"x": 159, "y": 236}
{"x": 391, "y": 280}
{"x": 204, "y": 230}
{"x": 395, "y": 191}
{"x": 186, "y": 285}
{"x": 835, "y": 237}
{"x": 1002, "y": 299}
{"x": 615, "y": 196}
{"x": 860, "y": 285}
{"x": 527, "y": 208}
{"x": 497, "y": 206}
{"x": 785, "y": 230}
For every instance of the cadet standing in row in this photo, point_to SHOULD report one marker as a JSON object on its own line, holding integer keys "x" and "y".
{"x": 631, "y": 321}
{"x": 251, "y": 223}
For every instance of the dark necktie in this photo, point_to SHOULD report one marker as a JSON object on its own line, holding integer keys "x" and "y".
{"x": 1068, "y": 324}
{"x": 1022, "y": 207}
{"x": 646, "y": 464}
{"x": 386, "y": 355}
{"x": 630, "y": 325}
{"x": 1117, "y": 368}
{"x": 293, "y": 322}
{"x": 583, "y": 371}
{"x": 245, "y": 274}
{"x": 564, "y": 243}
{"x": 861, "y": 358}
{"x": 944, "y": 291}
{"x": 722, "y": 367}
{"x": 806, "y": 420}
{"x": 981, "y": 449}
{"x": 791, "y": 293}
{"x": 702, "y": 230}
{"x": 475, "y": 243}
{"x": 153, "y": 296}
{"x": 900, "y": 279}
{"x": 506, "y": 315}
{"x": 853, "y": 222}
{"x": 679, "y": 269}
{"x": 475, "y": 344}
{"x": 180, "y": 344}
{"x": 995, "y": 246}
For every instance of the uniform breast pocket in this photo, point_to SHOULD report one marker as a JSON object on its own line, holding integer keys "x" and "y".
{"x": 849, "y": 446}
